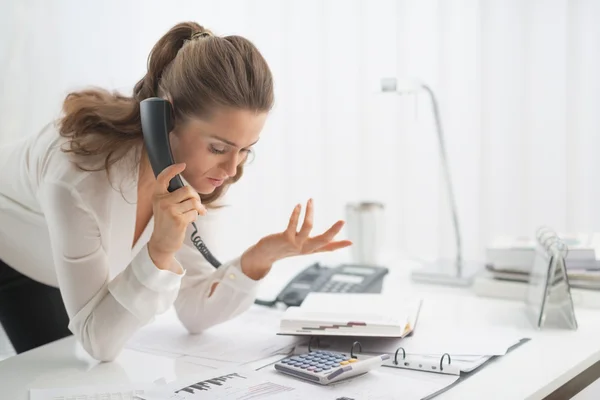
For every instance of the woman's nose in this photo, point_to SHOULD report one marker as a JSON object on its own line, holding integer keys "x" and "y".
{"x": 231, "y": 165}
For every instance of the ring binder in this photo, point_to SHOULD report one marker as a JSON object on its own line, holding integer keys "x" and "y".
{"x": 548, "y": 299}
{"x": 352, "y": 349}
{"x": 442, "y": 361}
{"x": 420, "y": 364}
{"x": 396, "y": 355}
{"x": 310, "y": 342}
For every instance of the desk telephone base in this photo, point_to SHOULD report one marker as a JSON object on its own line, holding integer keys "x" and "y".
{"x": 346, "y": 278}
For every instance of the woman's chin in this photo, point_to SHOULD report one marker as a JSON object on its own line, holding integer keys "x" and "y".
{"x": 205, "y": 191}
{"x": 204, "y": 188}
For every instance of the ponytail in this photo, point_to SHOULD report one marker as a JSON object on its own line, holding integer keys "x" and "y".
{"x": 98, "y": 122}
{"x": 161, "y": 55}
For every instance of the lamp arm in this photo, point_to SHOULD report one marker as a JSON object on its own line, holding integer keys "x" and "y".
{"x": 446, "y": 168}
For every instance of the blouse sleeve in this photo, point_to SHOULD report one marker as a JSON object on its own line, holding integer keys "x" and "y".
{"x": 209, "y": 295}
{"x": 103, "y": 313}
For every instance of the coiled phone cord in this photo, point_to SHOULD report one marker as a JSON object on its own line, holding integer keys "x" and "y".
{"x": 199, "y": 244}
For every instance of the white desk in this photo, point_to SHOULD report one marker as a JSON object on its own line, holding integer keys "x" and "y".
{"x": 532, "y": 371}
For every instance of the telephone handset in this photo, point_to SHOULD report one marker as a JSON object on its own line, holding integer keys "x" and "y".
{"x": 157, "y": 121}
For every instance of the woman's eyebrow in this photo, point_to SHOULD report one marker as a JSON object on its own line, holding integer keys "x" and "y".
{"x": 228, "y": 141}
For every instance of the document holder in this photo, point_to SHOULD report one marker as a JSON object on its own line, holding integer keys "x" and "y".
{"x": 548, "y": 302}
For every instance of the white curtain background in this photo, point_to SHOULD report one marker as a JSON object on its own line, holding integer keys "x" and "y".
{"x": 517, "y": 81}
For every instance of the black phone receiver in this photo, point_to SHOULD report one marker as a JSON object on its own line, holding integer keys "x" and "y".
{"x": 157, "y": 121}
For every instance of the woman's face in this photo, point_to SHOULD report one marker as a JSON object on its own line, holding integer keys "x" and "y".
{"x": 212, "y": 149}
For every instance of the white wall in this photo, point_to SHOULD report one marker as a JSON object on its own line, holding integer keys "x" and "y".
{"x": 517, "y": 82}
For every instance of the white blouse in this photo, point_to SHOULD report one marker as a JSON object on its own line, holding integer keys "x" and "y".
{"x": 74, "y": 230}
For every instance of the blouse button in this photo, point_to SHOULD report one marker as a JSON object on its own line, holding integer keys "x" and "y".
{"x": 231, "y": 276}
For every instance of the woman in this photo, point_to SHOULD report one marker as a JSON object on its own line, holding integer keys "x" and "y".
{"x": 93, "y": 243}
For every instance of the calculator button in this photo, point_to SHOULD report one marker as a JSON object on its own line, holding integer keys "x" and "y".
{"x": 352, "y": 360}
{"x": 311, "y": 368}
{"x": 344, "y": 363}
{"x": 304, "y": 366}
{"x": 335, "y": 365}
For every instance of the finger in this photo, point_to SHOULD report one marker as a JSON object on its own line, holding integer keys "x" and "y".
{"x": 166, "y": 175}
{"x": 308, "y": 221}
{"x": 188, "y": 205}
{"x": 190, "y": 216}
{"x": 182, "y": 194}
{"x": 329, "y": 234}
{"x": 293, "y": 224}
{"x": 332, "y": 246}
{"x": 318, "y": 241}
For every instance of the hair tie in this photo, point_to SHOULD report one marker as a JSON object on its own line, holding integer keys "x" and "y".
{"x": 201, "y": 34}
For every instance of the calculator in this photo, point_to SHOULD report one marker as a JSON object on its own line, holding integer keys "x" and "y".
{"x": 325, "y": 367}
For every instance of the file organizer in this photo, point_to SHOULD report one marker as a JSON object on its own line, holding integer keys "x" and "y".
{"x": 400, "y": 360}
{"x": 548, "y": 301}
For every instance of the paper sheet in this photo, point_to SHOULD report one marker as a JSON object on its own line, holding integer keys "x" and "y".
{"x": 238, "y": 384}
{"x": 112, "y": 392}
{"x": 380, "y": 384}
{"x": 246, "y": 338}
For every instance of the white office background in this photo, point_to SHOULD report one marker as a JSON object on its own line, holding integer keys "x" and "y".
{"x": 517, "y": 82}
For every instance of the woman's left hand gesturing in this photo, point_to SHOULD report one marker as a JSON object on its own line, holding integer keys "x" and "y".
{"x": 258, "y": 259}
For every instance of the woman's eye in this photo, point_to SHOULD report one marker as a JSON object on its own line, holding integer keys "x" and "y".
{"x": 217, "y": 150}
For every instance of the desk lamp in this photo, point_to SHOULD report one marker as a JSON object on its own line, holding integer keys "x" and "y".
{"x": 454, "y": 272}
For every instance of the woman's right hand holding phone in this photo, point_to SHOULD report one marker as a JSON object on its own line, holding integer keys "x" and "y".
{"x": 173, "y": 212}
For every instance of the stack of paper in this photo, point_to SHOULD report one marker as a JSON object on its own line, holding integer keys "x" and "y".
{"x": 515, "y": 253}
{"x": 359, "y": 314}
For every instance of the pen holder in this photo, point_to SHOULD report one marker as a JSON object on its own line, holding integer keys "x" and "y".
{"x": 548, "y": 300}
{"x": 365, "y": 226}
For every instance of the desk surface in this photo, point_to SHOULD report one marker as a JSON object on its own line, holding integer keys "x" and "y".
{"x": 532, "y": 371}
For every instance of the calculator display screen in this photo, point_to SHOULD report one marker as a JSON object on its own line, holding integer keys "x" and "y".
{"x": 347, "y": 278}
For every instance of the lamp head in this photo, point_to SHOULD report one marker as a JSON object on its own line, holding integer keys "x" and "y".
{"x": 402, "y": 86}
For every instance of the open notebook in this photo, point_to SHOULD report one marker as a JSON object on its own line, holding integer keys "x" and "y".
{"x": 355, "y": 314}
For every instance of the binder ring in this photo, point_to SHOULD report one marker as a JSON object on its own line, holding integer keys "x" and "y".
{"x": 442, "y": 361}
{"x": 562, "y": 248}
{"x": 544, "y": 235}
{"x": 396, "y": 355}
{"x": 352, "y": 349}
{"x": 543, "y": 231}
{"x": 310, "y": 342}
